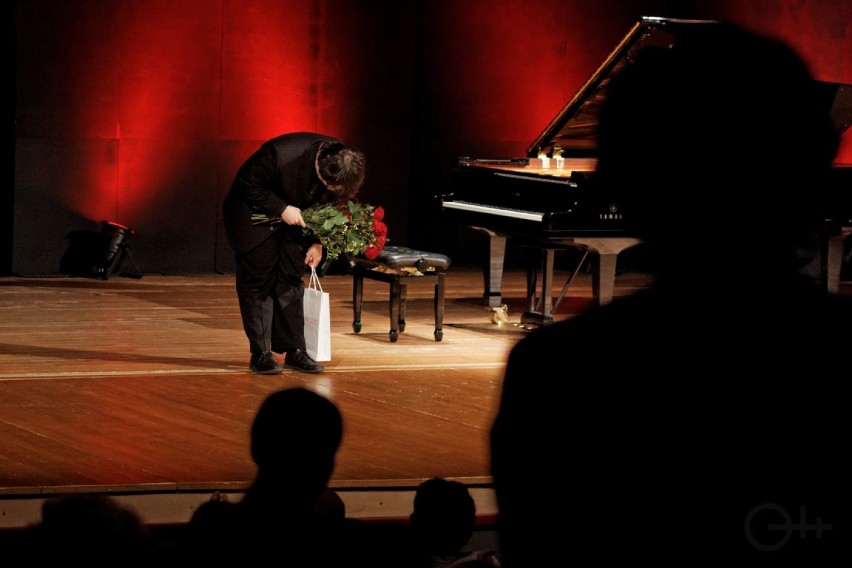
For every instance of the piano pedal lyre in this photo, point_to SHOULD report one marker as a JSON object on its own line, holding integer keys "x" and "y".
{"x": 542, "y": 306}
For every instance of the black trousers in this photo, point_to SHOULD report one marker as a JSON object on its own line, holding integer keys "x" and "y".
{"x": 270, "y": 290}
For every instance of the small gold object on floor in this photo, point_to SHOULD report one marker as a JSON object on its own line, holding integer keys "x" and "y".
{"x": 500, "y": 314}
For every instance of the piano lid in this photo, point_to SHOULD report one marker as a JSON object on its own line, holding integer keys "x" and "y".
{"x": 573, "y": 129}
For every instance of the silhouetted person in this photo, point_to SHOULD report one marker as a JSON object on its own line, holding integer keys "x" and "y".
{"x": 86, "y": 530}
{"x": 282, "y": 519}
{"x": 442, "y": 523}
{"x": 331, "y": 504}
{"x": 703, "y": 421}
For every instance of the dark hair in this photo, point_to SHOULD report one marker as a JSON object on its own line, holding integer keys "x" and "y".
{"x": 95, "y": 529}
{"x": 340, "y": 165}
{"x": 444, "y": 515}
{"x": 294, "y": 429}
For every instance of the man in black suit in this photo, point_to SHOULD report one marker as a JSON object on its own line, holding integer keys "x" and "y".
{"x": 285, "y": 175}
{"x": 705, "y": 420}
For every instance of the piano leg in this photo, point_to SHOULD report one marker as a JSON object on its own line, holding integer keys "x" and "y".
{"x": 603, "y": 277}
{"x": 494, "y": 283}
{"x": 493, "y": 271}
{"x": 604, "y": 263}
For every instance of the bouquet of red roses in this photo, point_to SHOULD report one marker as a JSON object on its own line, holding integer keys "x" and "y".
{"x": 352, "y": 228}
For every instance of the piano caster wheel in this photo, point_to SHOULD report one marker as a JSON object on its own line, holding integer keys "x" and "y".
{"x": 394, "y": 335}
{"x": 401, "y": 326}
{"x": 439, "y": 334}
{"x": 356, "y": 326}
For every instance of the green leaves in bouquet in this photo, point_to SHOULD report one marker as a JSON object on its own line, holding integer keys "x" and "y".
{"x": 342, "y": 228}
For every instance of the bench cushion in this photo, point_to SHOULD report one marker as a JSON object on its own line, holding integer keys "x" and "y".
{"x": 401, "y": 257}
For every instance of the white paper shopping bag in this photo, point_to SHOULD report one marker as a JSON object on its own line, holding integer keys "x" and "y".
{"x": 317, "y": 320}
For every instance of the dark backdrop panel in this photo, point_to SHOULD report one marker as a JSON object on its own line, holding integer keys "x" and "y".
{"x": 140, "y": 111}
{"x": 173, "y": 212}
{"x": 54, "y": 183}
{"x": 367, "y": 77}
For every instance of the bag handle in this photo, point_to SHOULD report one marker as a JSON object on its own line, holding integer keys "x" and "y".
{"x": 314, "y": 281}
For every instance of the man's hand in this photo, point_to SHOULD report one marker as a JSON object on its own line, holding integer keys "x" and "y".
{"x": 293, "y": 216}
{"x": 314, "y": 255}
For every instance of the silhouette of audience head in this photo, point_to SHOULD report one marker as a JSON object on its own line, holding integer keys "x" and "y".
{"x": 89, "y": 530}
{"x": 294, "y": 439}
{"x": 716, "y": 141}
{"x": 288, "y": 513}
{"x": 443, "y": 516}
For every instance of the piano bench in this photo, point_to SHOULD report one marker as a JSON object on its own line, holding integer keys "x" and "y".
{"x": 400, "y": 266}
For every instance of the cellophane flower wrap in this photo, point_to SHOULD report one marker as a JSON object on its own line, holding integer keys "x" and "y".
{"x": 352, "y": 228}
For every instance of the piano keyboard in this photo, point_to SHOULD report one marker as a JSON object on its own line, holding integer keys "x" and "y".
{"x": 492, "y": 210}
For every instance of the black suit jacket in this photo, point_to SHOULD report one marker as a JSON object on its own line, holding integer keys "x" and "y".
{"x": 280, "y": 173}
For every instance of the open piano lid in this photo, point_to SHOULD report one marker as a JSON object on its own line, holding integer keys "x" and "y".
{"x": 573, "y": 129}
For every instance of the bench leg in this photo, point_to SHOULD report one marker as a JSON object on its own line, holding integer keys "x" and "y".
{"x": 439, "y": 307}
{"x": 357, "y": 298}
{"x": 403, "y": 296}
{"x": 395, "y": 294}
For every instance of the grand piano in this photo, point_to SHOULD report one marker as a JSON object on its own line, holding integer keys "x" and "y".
{"x": 547, "y": 200}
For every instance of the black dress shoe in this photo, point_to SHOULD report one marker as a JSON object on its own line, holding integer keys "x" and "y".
{"x": 301, "y": 361}
{"x": 264, "y": 363}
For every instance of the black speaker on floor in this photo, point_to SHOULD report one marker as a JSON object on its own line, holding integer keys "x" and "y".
{"x": 116, "y": 238}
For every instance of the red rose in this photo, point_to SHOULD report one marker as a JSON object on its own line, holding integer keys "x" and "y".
{"x": 378, "y": 213}
{"x": 371, "y": 252}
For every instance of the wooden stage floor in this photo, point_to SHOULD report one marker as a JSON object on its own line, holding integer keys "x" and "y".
{"x": 140, "y": 388}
